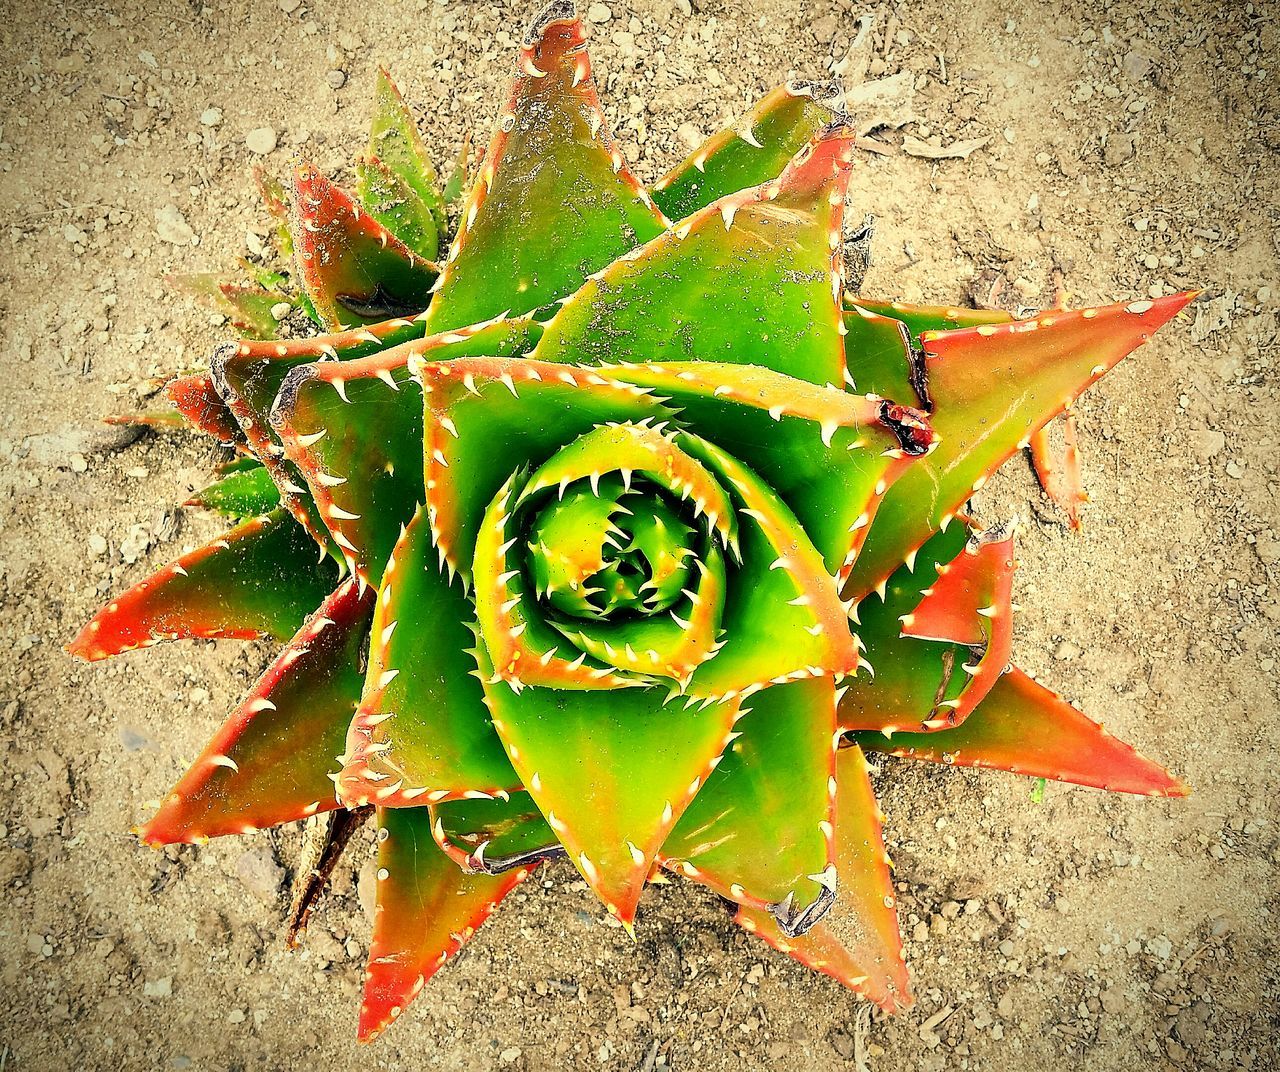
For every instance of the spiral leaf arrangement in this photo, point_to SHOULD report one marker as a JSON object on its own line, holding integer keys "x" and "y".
{"x": 631, "y": 527}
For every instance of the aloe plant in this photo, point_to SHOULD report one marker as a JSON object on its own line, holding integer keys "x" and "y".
{"x": 624, "y": 532}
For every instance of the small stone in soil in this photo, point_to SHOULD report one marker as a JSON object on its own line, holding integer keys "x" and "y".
{"x": 261, "y": 875}
{"x": 262, "y": 141}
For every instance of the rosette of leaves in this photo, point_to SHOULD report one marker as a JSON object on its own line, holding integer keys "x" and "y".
{"x": 623, "y": 531}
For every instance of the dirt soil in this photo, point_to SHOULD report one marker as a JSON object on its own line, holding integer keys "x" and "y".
{"x": 1133, "y": 144}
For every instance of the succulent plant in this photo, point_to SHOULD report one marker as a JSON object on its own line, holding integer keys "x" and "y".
{"x": 626, "y": 531}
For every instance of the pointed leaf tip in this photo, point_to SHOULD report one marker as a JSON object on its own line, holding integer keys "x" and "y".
{"x": 354, "y": 270}
{"x": 552, "y": 159}
{"x": 260, "y": 579}
{"x": 611, "y": 814}
{"x": 991, "y": 387}
{"x": 270, "y": 761}
{"x": 1023, "y": 727}
{"x": 858, "y": 943}
{"x": 427, "y": 910}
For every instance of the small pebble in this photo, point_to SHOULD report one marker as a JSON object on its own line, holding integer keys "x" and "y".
{"x": 160, "y": 988}
{"x": 211, "y": 117}
{"x": 261, "y": 141}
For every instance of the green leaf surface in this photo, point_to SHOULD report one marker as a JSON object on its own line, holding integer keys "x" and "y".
{"x": 486, "y": 418}
{"x": 939, "y": 640}
{"x": 553, "y": 200}
{"x": 245, "y": 493}
{"x": 783, "y": 618}
{"x": 398, "y": 207}
{"x": 760, "y": 832}
{"x": 276, "y": 200}
{"x": 752, "y": 151}
{"x": 611, "y": 771}
{"x": 422, "y": 733}
{"x": 249, "y": 375}
{"x": 520, "y": 643}
{"x": 248, "y": 308}
{"x": 527, "y": 646}
{"x": 918, "y": 319}
{"x": 878, "y": 356}
{"x": 493, "y": 835}
{"x": 271, "y": 761}
{"x": 754, "y": 278}
{"x": 827, "y": 453}
{"x": 395, "y": 140}
{"x": 354, "y": 429}
{"x": 261, "y": 579}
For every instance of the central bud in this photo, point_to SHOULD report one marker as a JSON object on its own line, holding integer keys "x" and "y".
{"x": 604, "y": 568}
{"x": 614, "y": 549}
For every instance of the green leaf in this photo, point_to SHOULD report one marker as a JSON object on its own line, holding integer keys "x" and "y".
{"x": 879, "y": 357}
{"x": 459, "y": 179}
{"x": 486, "y": 418}
{"x": 422, "y": 733}
{"x": 918, "y": 319}
{"x": 397, "y": 207}
{"x": 590, "y": 550}
{"x": 394, "y": 139}
{"x": 828, "y": 454}
{"x": 611, "y": 771}
{"x": 991, "y": 387}
{"x": 941, "y": 638}
{"x": 1023, "y": 727}
{"x": 858, "y": 943}
{"x": 493, "y": 835}
{"x": 270, "y": 762}
{"x": 354, "y": 429}
{"x": 261, "y": 579}
{"x": 276, "y": 200}
{"x": 760, "y": 832}
{"x": 427, "y": 910}
{"x": 244, "y": 493}
{"x": 247, "y": 307}
{"x": 783, "y": 618}
{"x": 753, "y": 279}
{"x": 249, "y": 375}
{"x": 524, "y": 646}
{"x": 553, "y": 200}
{"x": 751, "y": 151}
{"x": 352, "y": 268}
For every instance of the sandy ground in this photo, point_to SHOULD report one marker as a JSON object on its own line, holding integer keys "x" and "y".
{"x": 1134, "y": 145}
